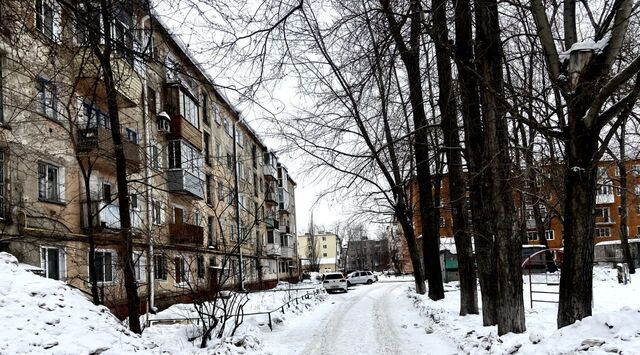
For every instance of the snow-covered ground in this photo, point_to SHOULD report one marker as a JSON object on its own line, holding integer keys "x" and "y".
{"x": 44, "y": 316}
{"x": 613, "y": 328}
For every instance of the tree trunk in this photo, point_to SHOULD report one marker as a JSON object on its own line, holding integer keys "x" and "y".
{"x": 131, "y": 288}
{"x": 409, "y": 235}
{"x": 576, "y": 293}
{"x": 93, "y": 275}
{"x": 500, "y": 206}
{"x": 451, "y": 140}
{"x": 624, "y": 237}
{"x": 470, "y": 109}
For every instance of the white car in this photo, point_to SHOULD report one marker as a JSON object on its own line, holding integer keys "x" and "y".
{"x": 361, "y": 277}
{"x": 334, "y": 281}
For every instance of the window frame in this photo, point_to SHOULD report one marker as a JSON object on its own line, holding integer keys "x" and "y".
{"x": 44, "y": 184}
{"x": 113, "y": 264}
{"x": 47, "y": 98}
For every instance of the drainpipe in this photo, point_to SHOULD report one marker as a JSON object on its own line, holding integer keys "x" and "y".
{"x": 147, "y": 182}
{"x": 237, "y": 195}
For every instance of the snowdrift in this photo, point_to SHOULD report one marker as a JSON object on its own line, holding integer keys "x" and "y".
{"x": 44, "y": 316}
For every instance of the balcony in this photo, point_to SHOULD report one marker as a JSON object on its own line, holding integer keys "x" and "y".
{"x": 284, "y": 207}
{"x": 97, "y": 145}
{"x": 273, "y": 249}
{"x": 287, "y": 252}
{"x": 272, "y": 223}
{"x": 183, "y": 233}
{"x": 90, "y": 80}
{"x": 604, "y": 220}
{"x": 107, "y": 217}
{"x": 270, "y": 172}
{"x": 183, "y": 181}
{"x": 183, "y": 129}
{"x": 285, "y": 229}
{"x": 271, "y": 198}
{"x": 604, "y": 199}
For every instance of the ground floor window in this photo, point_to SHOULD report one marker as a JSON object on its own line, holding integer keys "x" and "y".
{"x": 181, "y": 270}
{"x": 105, "y": 263}
{"x": 52, "y": 260}
{"x": 604, "y": 232}
{"x": 140, "y": 267}
{"x": 160, "y": 267}
{"x": 200, "y": 266}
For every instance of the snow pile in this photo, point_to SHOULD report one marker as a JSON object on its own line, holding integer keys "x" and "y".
{"x": 613, "y": 328}
{"x": 44, "y": 316}
{"x": 186, "y": 336}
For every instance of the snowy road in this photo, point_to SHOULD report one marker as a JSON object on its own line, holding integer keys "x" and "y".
{"x": 374, "y": 319}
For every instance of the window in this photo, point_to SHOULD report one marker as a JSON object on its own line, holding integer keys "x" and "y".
{"x": 156, "y": 157}
{"x": 197, "y": 218}
{"x": 106, "y": 193}
{"x": 151, "y": 102}
{"x": 602, "y": 171}
{"x": 270, "y": 238}
{"x": 200, "y": 266}
{"x": 133, "y": 200}
{"x": 211, "y": 232}
{"x": 218, "y": 152}
{"x": 182, "y": 270}
{"x": 220, "y": 191}
{"x": 232, "y": 231}
{"x": 132, "y": 136}
{"x": 324, "y": 246}
{"x": 324, "y": 239}
{"x": 227, "y": 127}
{"x": 205, "y": 108}
{"x": 93, "y": 116}
{"x": 229, "y": 160}
{"x": 603, "y": 232}
{"x": 156, "y": 212}
{"x": 604, "y": 189}
{"x": 105, "y": 264}
{"x": 230, "y": 196}
{"x": 602, "y": 214}
{"x": 635, "y": 169}
{"x": 207, "y": 148}
{"x": 185, "y": 156}
{"x": 160, "y": 267}
{"x": 216, "y": 114}
{"x": 50, "y": 182}
{"x": 636, "y": 190}
{"x": 45, "y": 17}
{"x": 189, "y": 110}
{"x": 324, "y": 255}
{"x": 52, "y": 260}
{"x": 549, "y": 235}
{"x": 178, "y": 215}
{"x": 140, "y": 266}
{"x": 208, "y": 182}
{"x": 47, "y": 102}
{"x": 532, "y": 236}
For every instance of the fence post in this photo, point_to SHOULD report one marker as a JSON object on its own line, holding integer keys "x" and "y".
{"x": 270, "y": 324}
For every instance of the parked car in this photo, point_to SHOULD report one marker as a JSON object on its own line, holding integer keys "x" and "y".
{"x": 361, "y": 277}
{"x": 335, "y": 281}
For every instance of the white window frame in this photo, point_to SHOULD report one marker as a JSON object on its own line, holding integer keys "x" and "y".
{"x": 47, "y": 102}
{"x": 140, "y": 266}
{"x": 114, "y": 266}
{"x": 44, "y": 184}
{"x": 185, "y": 271}
{"x": 189, "y": 109}
{"x": 549, "y": 234}
{"x": 62, "y": 261}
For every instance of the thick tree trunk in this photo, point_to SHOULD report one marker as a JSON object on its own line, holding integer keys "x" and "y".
{"x": 451, "y": 140}
{"x": 576, "y": 280}
{"x": 470, "y": 108}
{"x": 409, "y": 235}
{"x": 510, "y": 315}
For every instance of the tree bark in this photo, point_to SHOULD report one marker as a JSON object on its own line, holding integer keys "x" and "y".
{"x": 470, "y": 109}
{"x": 510, "y": 315}
{"x": 451, "y": 140}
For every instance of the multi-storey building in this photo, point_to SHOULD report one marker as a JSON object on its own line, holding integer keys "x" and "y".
{"x": 368, "y": 254}
{"x": 548, "y": 192}
{"x": 319, "y": 250}
{"x": 209, "y": 202}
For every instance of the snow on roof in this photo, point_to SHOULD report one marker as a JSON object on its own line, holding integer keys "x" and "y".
{"x": 616, "y": 242}
{"x": 41, "y": 315}
{"x": 587, "y": 45}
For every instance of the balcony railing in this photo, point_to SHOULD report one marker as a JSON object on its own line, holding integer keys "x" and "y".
{"x": 604, "y": 220}
{"x": 272, "y": 223}
{"x": 605, "y": 198}
{"x": 183, "y": 181}
{"x": 183, "y": 129}
{"x": 98, "y": 141}
{"x": 91, "y": 80}
{"x": 183, "y": 233}
{"x": 285, "y": 229}
{"x": 273, "y": 249}
{"x": 108, "y": 216}
{"x": 270, "y": 171}
{"x": 286, "y": 252}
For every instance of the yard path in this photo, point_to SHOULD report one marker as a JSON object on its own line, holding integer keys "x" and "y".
{"x": 369, "y": 319}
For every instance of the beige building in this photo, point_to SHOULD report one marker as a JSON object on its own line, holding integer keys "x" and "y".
{"x": 210, "y": 205}
{"x": 321, "y": 249}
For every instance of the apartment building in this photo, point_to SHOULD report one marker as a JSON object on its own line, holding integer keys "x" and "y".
{"x": 608, "y": 208}
{"x": 321, "y": 250}
{"x": 205, "y": 192}
{"x": 368, "y": 254}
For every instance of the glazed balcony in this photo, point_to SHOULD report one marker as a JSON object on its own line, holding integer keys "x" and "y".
{"x": 183, "y": 233}
{"x": 184, "y": 182}
{"x": 273, "y": 249}
{"x": 183, "y": 129}
{"x": 91, "y": 80}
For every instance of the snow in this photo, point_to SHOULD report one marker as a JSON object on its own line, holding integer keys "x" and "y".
{"x": 44, "y": 316}
{"x": 587, "y": 45}
{"x": 613, "y": 328}
{"x": 617, "y": 242}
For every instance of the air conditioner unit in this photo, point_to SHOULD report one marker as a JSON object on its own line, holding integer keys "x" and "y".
{"x": 164, "y": 122}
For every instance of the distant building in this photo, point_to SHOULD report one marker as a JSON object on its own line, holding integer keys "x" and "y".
{"x": 368, "y": 255}
{"x": 319, "y": 251}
